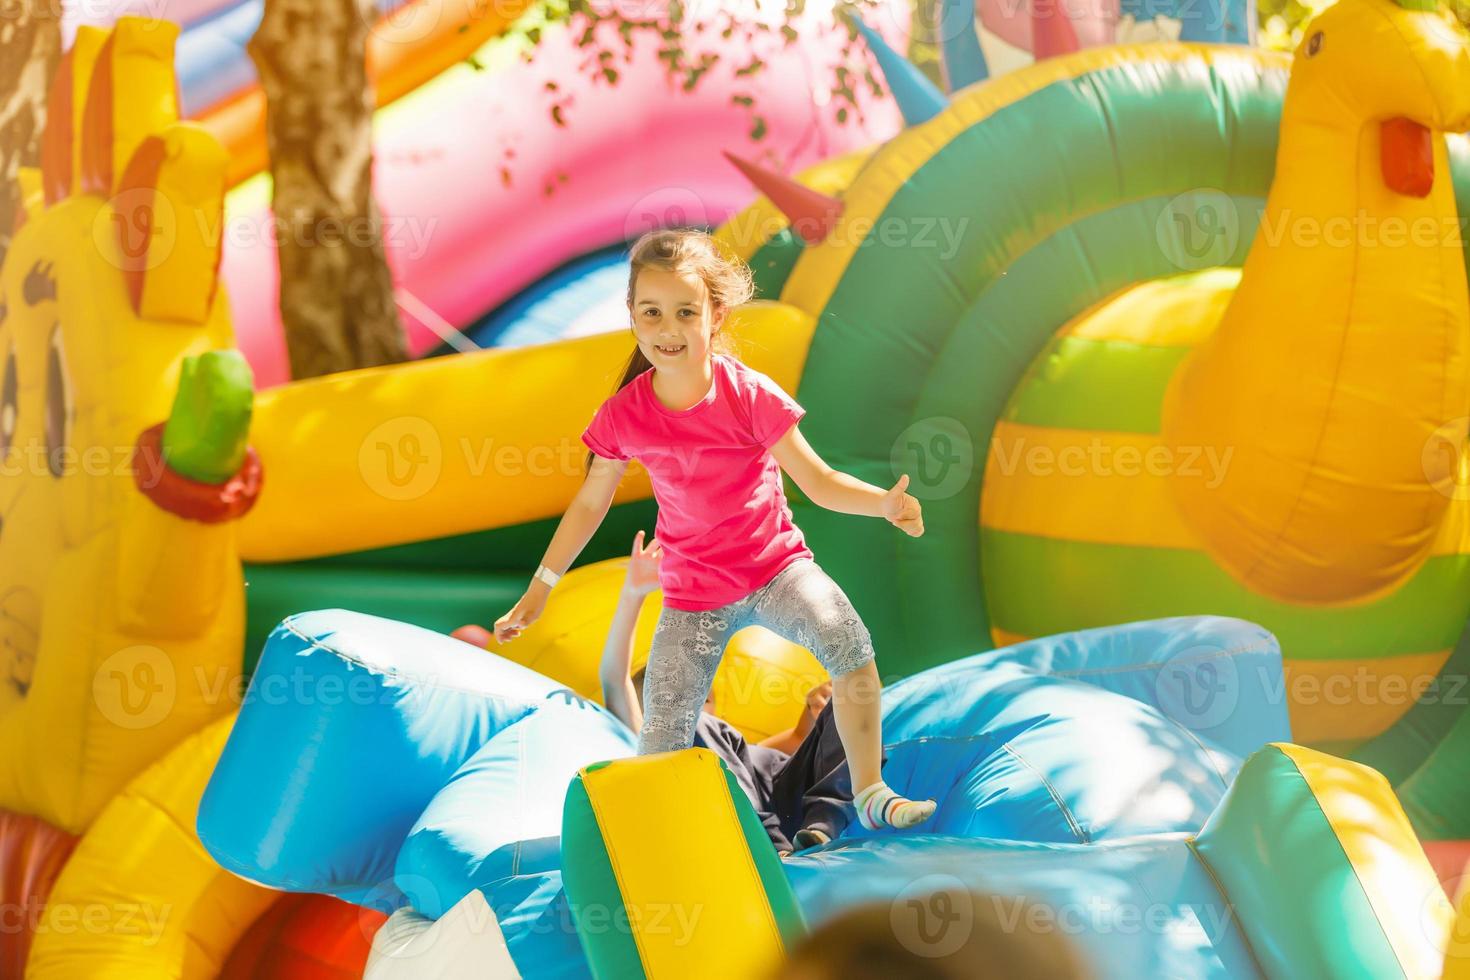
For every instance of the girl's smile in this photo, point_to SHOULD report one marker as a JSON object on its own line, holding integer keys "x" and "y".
{"x": 675, "y": 327}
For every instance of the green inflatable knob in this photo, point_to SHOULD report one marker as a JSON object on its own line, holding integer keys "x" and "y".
{"x": 204, "y": 438}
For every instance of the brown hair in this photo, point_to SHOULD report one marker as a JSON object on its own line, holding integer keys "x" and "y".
{"x": 687, "y": 251}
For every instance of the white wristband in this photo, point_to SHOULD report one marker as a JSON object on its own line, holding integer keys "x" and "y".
{"x": 546, "y": 575}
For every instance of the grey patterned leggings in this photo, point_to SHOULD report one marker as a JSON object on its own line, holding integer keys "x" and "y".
{"x": 801, "y": 604}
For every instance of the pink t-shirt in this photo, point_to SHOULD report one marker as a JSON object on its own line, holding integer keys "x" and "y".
{"x": 723, "y": 518}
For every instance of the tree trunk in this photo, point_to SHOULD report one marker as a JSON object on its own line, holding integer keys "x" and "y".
{"x": 336, "y": 292}
{"x": 30, "y": 49}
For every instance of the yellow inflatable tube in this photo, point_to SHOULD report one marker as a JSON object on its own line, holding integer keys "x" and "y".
{"x": 140, "y": 898}
{"x": 492, "y": 439}
{"x": 714, "y": 905}
{"x": 759, "y": 688}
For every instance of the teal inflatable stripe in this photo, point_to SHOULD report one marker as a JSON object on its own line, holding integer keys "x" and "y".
{"x": 1294, "y": 892}
{"x": 592, "y": 890}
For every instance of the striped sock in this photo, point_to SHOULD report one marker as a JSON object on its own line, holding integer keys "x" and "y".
{"x": 878, "y": 806}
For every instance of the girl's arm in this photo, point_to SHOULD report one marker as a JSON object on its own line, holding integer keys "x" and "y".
{"x": 842, "y": 493}
{"x": 583, "y": 517}
{"x": 618, "y": 693}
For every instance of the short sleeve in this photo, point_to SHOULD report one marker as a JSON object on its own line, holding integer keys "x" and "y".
{"x": 772, "y": 411}
{"x": 601, "y": 437}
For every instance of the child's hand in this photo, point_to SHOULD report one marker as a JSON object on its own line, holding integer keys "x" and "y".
{"x": 816, "y": 700}
{"x": 902, "y": 510}
{"x": 525, "y": 612}
{"x": 643, "y": 565}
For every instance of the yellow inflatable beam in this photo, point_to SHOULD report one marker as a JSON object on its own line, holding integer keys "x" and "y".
{"x": 713, "y": 904}
{"x": 1385, "y": 854}
{"x": 1324, "y": 875}
{"x": 409, "y": 452}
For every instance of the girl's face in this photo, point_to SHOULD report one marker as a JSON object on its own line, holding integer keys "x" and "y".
{"x": 673, "y": 320}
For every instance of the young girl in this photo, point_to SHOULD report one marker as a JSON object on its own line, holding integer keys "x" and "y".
{"x": 714, "y": 436}
{"x": 798, "y": 781}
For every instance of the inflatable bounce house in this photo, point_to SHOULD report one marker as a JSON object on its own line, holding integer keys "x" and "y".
{"x": 507, "y": 232}
{"x": 1170, "y": 335}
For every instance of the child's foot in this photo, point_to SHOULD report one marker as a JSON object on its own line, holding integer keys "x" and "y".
{"x": 810, "y": 837}
{"x": 878, "y": 806}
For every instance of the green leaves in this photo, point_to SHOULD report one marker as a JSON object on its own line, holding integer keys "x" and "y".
{"x": 672, "y": 29}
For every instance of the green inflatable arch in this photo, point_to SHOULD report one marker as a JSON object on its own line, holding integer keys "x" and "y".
{"x": 1059, "y": 200}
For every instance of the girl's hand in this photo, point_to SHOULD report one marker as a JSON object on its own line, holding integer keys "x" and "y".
{"x": 643, "y": 565}
{"x": 525, "y": 612}
{"x": 902, "y": 510}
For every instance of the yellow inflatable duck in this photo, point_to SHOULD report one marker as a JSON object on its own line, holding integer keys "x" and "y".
{"x": 1343, "y": 353}
{"x": 1306, "y": 465}
{"x": 123, "y": 421}
{"x": 123, "y": 416}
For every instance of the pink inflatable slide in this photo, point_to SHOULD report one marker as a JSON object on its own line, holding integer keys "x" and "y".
{"x": 483, "y": 192}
